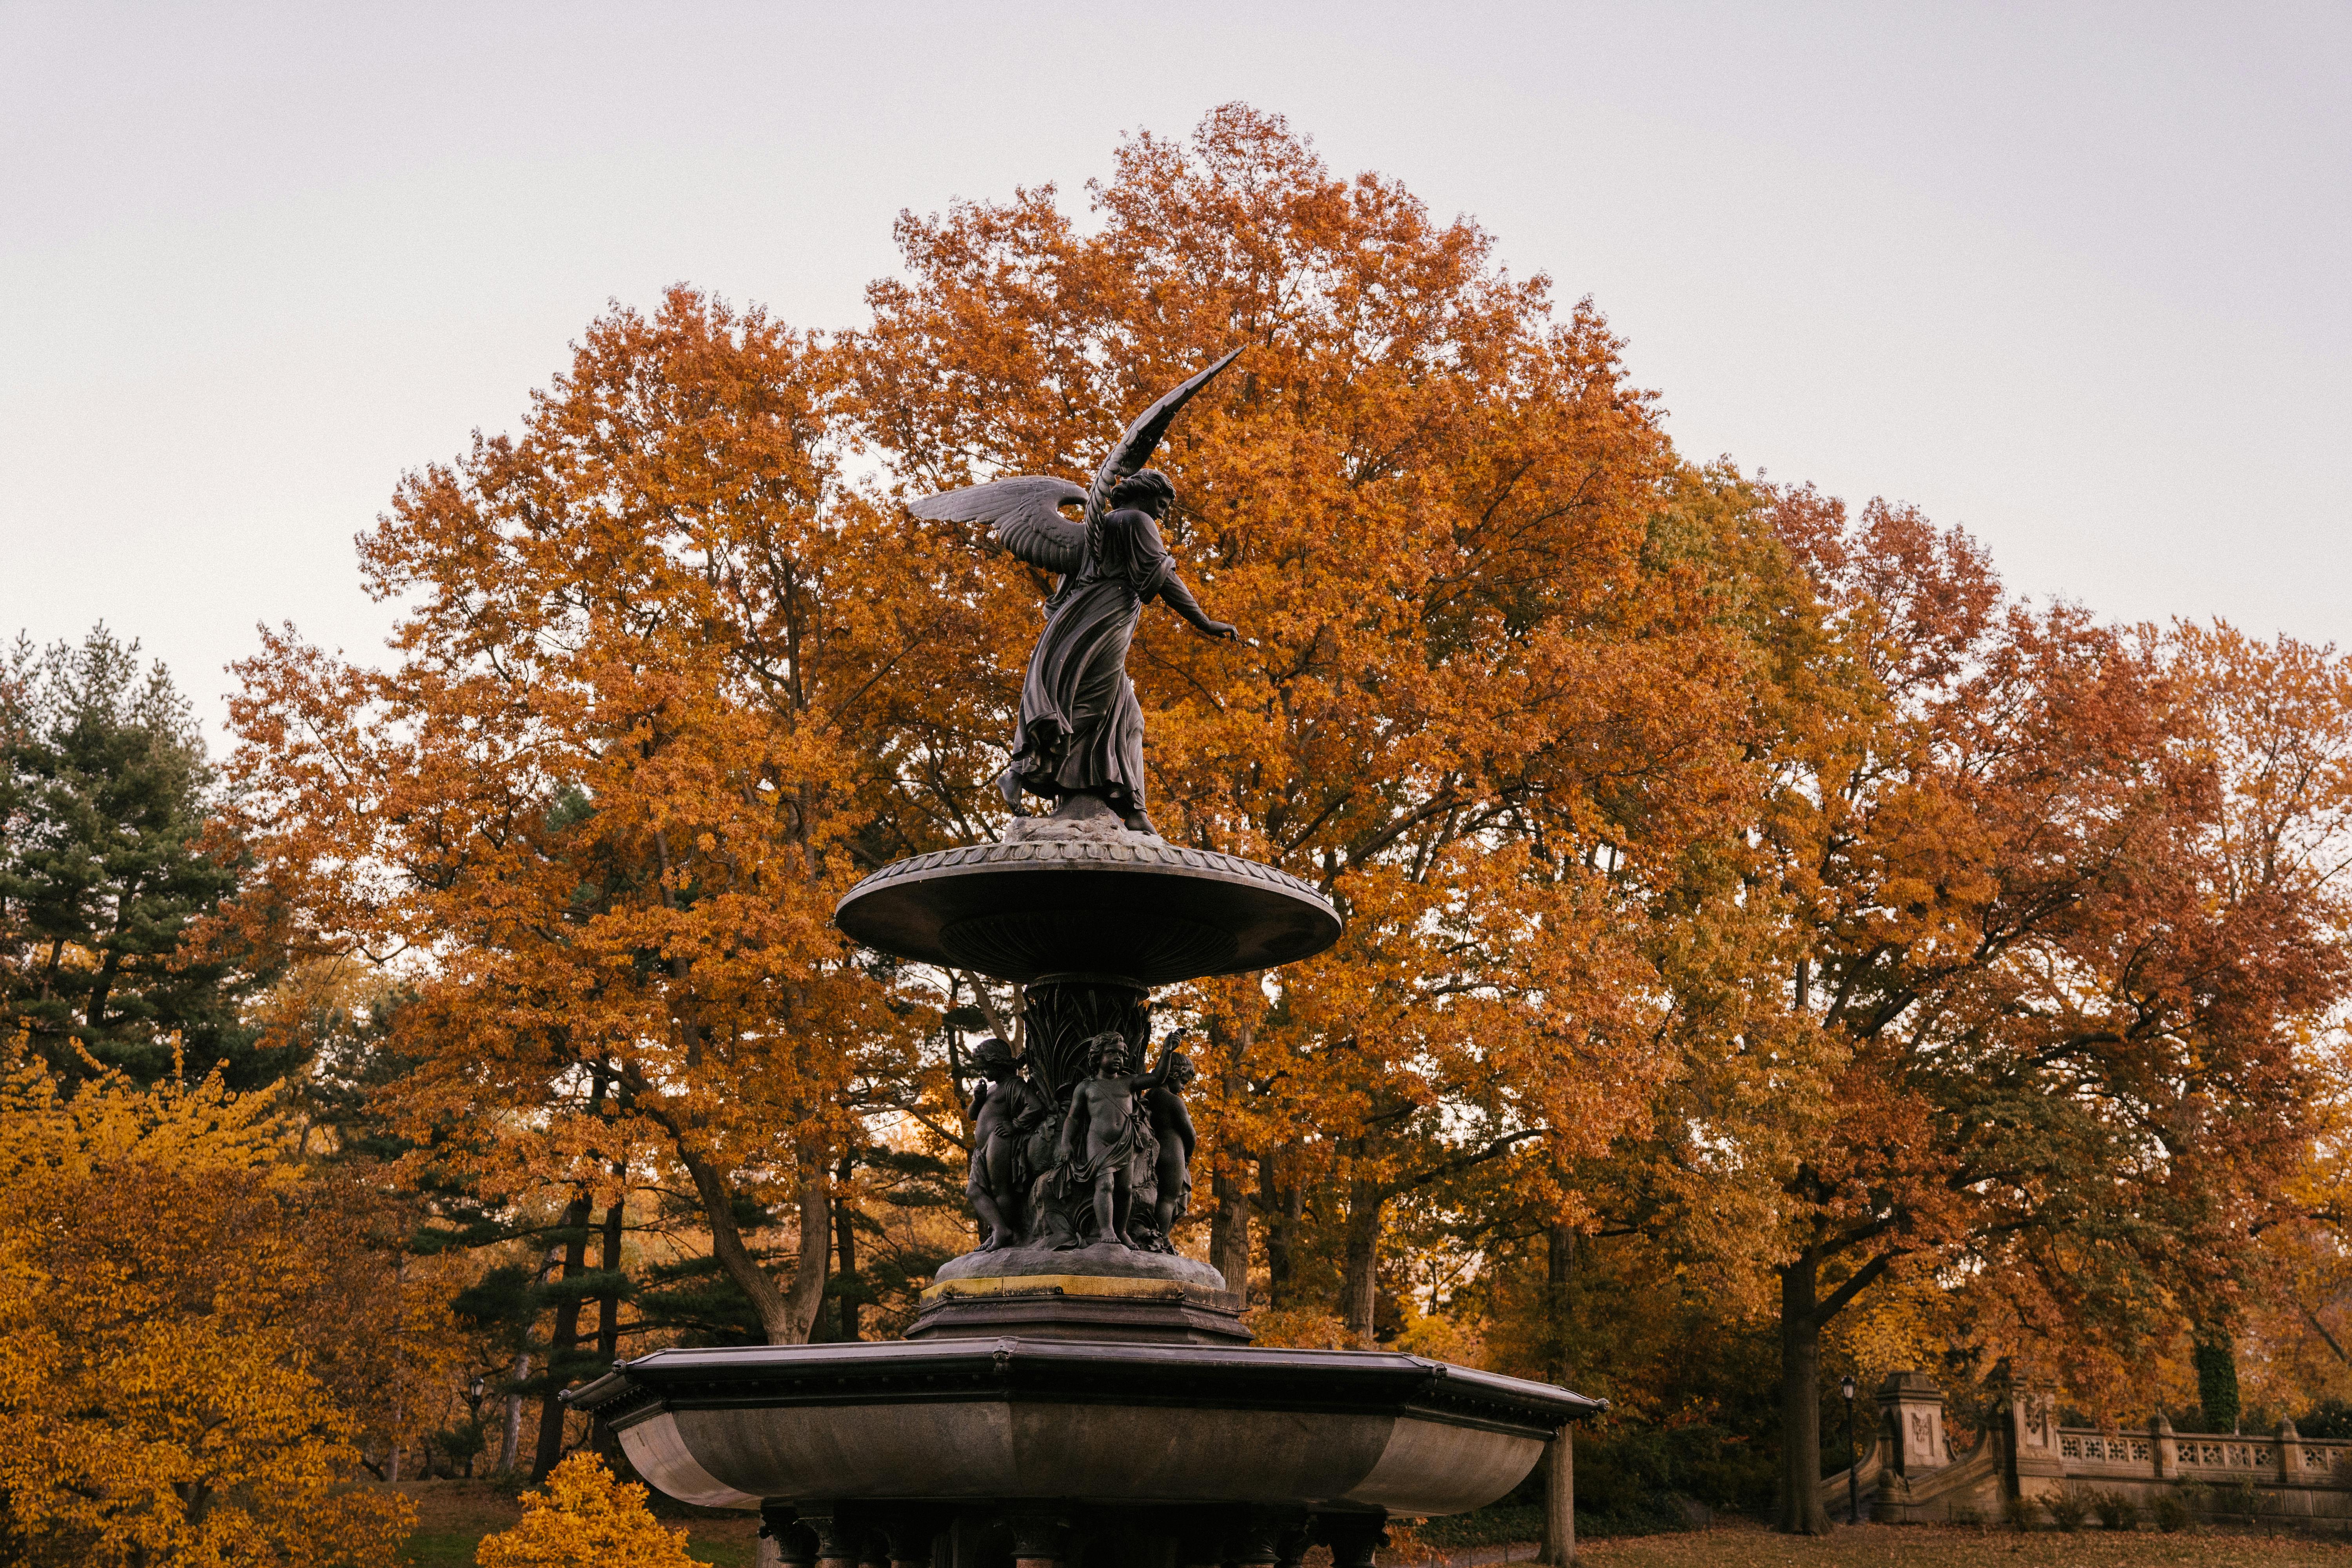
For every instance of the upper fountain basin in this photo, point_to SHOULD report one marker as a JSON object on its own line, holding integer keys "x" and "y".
{"x": 1108, "y": 904}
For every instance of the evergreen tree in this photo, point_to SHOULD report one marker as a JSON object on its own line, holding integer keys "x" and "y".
{"x": 2216, "y": 1359}
{"x": 104, "y": 793}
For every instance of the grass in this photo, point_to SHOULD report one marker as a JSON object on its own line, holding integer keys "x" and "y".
{"x": 454, "y": 1516}
{"x": 451, "y": 1517}
{"x": 455, "y": 1549}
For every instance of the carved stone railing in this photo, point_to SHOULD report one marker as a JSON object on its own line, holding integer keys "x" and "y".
{"x": 2100, "y": 1450}
{"x": 1921, "y": 1477}
{"x": 2288, "y": 1459}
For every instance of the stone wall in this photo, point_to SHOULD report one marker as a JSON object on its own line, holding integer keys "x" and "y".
{"x": 1915, "y": 1474}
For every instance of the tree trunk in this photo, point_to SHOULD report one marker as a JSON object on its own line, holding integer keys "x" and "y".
{"x": 844, "y": 1234}
{"x": 608, "y": 1298}
{"x": 1802, "y": 1513}
{"x": 1228, "y": 1238}
{"x": 603, "y": 1439}
{"x": 784, "y": 1316}
{"x": 1560, "y": 1263}
{"x": 511, "y": 1446}
{"x": 1286, "y": 1206}
{"x": 806, "y": 1297}
{"x": 1360, "y": 1284}
{"x": 510, "y": 1441}
{"x": 565, "y": 1338}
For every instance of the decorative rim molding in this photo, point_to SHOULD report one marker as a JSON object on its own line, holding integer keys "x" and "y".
{"x": 1078, "y": 1372}
{"x": 1085, "y": 852}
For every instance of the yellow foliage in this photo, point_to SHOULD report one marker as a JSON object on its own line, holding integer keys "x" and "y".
{"x": 159, "y": 1301}
{"x": 1301, "y": 1329}
{"x": 1440, "y": 1338}
{"x": 1904, "y": 1324}
{"x": 585, "y": 1519}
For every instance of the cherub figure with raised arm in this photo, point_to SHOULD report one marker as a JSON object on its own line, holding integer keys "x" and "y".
{"x": 1100, "y": 1132}
{"x": 1081, "y": 730}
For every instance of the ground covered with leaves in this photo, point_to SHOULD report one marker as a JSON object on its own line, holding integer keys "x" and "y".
{"x": 1753, "y": 1547}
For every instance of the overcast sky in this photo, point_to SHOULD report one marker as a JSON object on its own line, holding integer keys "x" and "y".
{"x": 2078, "y": 278}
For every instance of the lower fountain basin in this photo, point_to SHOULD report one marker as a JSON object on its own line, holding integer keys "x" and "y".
{"x": 997, "y": 1419}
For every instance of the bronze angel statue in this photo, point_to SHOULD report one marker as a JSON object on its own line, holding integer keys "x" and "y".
{"x": 1081, "y": 730}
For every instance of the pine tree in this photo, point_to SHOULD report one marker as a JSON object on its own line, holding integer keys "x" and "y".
{"x": 106, "y": 876}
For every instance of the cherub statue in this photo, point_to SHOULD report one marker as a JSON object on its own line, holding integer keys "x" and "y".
{"x": 1081, "y": 729}
{"x": 1173, "y": 1128}
{"x": 1005, "y": 1107}
{"x": 1103, "y": 1115}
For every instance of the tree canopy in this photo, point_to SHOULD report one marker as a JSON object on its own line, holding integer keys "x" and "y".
{"x": 1773, "y": 948}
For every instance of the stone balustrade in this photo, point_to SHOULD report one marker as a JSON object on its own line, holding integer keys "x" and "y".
{"x": 1916, "y": 1474}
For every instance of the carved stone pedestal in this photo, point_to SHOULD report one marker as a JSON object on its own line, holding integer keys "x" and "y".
{"x": 1108, "y": 1293}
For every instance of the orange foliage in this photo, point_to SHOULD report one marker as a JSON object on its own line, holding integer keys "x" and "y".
{"x": 649, "y": 693}
{"x": 1480, "y": 700}
{"x": 1720, "y": 870}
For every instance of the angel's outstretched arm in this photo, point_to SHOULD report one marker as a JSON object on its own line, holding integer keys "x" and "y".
{"x": 1179, "y": 598}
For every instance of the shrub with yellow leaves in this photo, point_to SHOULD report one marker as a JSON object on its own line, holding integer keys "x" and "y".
{"x": 160, "y": 1302}
{"x": 585, "y": 1519}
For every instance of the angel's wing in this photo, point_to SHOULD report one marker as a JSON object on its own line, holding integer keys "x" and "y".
{"x": 1135, "y": 448}
{"x": 1022, "y": 515}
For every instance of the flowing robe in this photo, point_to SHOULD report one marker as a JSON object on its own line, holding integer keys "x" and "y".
{"x": 1081, "y": 727}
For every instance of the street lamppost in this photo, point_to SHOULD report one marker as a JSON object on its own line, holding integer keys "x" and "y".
{"x": 476, "y": 1392}
{"x": 1854, "y": 1456}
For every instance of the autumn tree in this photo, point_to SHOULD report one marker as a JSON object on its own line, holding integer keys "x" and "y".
{"x": 176, "y": 1375}
{"x": 1483, "y": 702}
{"x": 2064, "y": 1014}
{"x": 659, "y": 681}
{"x": 2273, "y": 727}
{"x": 1725, "y": 875}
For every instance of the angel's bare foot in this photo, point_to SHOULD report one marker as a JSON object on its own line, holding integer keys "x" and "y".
{"x": 1138, "y": 822}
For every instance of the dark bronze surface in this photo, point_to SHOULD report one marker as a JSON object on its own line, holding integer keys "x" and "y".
{"x": 1081, "y": 729}
{"x": 1176, "y": 1376}
{"x": 1147, "y": 911}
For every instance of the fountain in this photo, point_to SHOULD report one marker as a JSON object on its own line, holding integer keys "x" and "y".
{"x": 1075, "y": 1391}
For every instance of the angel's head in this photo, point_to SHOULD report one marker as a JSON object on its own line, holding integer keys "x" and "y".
{"x": 1147, "y": 491}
